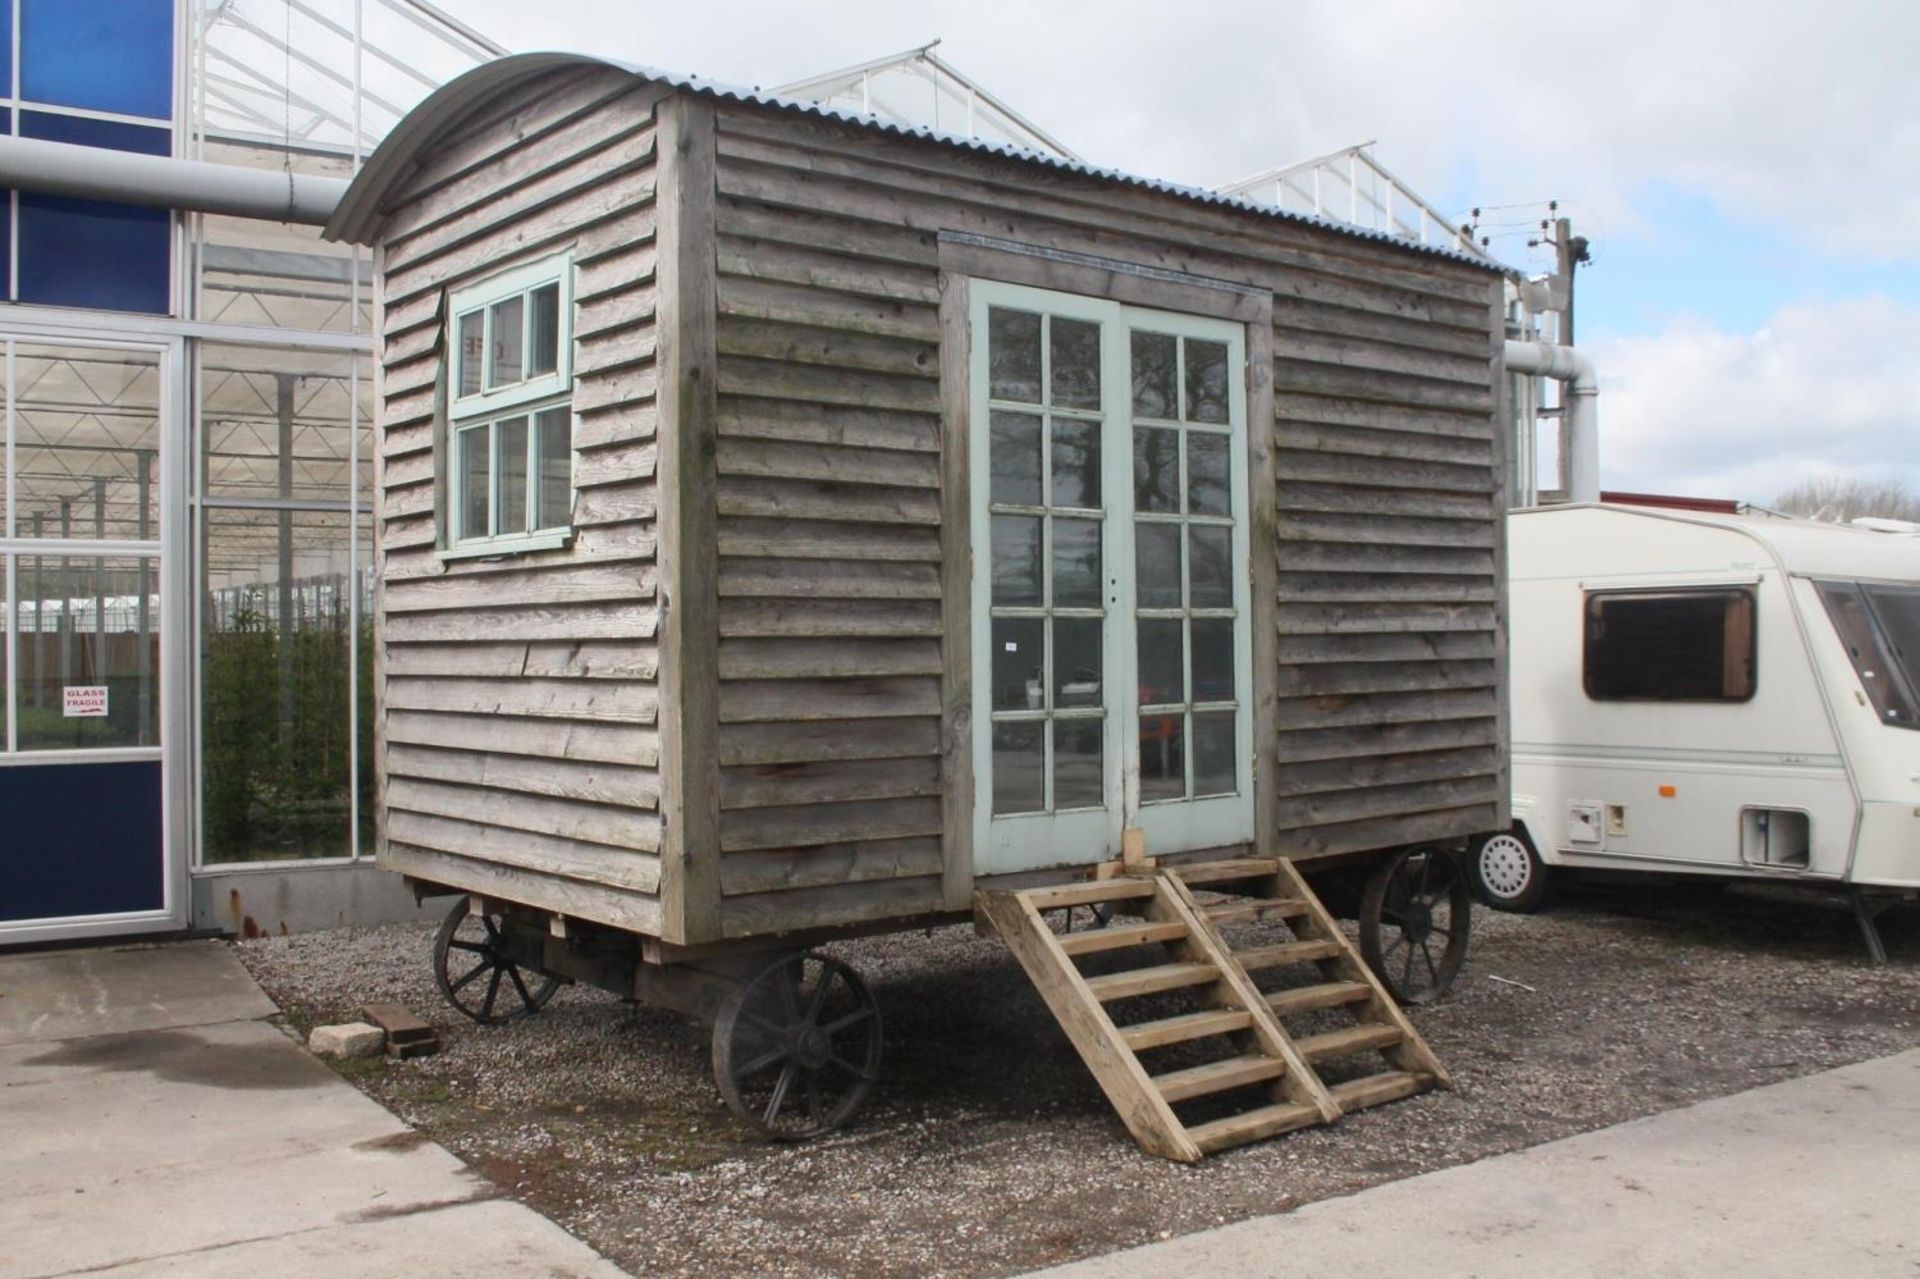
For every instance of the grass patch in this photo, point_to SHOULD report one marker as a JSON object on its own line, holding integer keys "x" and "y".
{"x": 364, "y": 1068}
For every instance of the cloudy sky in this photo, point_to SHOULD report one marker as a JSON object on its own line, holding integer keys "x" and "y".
{"x": 1749, "y": 173}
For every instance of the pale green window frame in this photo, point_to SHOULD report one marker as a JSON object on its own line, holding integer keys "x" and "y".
{"x": 1014, "y": 841}
{"x": 510, "y": 375}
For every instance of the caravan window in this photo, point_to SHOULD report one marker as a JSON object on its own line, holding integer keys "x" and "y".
{"x": 1880, "y": 627}
{"x": 1670, "y": 646}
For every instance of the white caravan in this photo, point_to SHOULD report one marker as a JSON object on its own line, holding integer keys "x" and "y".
{"x": 1708, "y": 694}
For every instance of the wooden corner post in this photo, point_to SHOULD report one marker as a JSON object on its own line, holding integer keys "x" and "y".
{"x": 956, "y": 595}
{"x": 688, "y": 547}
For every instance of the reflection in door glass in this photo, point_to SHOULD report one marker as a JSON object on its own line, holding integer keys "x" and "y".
{"x": 1206, "y": 381}
{"x": 1163, "y": 765}
{"x": 1076, "y": 661}
{"x": 1076, "y": 463}
{"x": 1019, "y": 767}
{"x": 1013, "y": 355}
{"x": 1016, "y": 559}
{"x": 1017, "y": 664}
{"x": 1162, "y": 668}
{"x": 1156, "y": 469}
{"x": 1074, "y": 347}
{"x": 1076, "y": 563}
{"x": 1154, "y": 372}
{"x": 1013, "y": 457}
{"x": 1213, "y": 762}
{"x": 1079, "y": 775}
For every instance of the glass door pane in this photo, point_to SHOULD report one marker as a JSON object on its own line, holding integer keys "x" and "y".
{"x": 1048, "y": 528}
{"x": 1184, "y": 615}
{"x": 1189, "y": 607}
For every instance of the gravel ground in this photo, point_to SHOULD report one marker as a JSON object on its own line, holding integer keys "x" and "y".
{"x": 988, "y": 1149}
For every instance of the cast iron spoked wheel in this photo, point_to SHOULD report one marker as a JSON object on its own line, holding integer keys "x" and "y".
{"x": 1415, "y": 918}
{"x": 473, "y": 972}
{"x": 796, "y": 1048}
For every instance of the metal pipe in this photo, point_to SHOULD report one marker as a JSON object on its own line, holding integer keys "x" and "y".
{"x": 1581, "y": 397}
{"x": 62, "y": 168}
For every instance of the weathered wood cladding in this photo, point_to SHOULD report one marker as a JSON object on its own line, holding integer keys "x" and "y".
{"x": 1385, "y": 504}
{"x": 520, "y": 695}
{"x": 764, "y": 563}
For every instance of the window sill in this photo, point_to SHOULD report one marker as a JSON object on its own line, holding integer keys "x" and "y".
{"x": 501, "y": 547}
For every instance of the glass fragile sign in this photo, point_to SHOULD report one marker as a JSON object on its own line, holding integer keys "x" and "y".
{"x": 84, "y": 701}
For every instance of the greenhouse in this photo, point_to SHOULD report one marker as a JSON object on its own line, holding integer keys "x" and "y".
{"x": 184, "y": 542}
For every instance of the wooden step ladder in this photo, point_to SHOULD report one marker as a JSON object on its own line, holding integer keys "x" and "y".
{"x": 1156, "y": 918}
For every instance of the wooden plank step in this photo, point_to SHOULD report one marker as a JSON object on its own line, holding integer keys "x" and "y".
{"x": 1290, "y": 952}
{"x": 1150, "y": 981}
{"x": 1178, "y": 1030}
{"x": 1376, "y": 1090}
{"x": 1092, "y": 892}
{"x": 1347, "y": 1041}
{"x": 1218, "y": 1076}
{"x": 1254, "y": 910}
{"x": 1254, "y": 1125}
{"x": 1223, "y": 871}
{"x": 1307, "y": 999}
{"x": 1120, "y": 936}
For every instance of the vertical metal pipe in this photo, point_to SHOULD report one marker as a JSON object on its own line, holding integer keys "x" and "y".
{"x": 284, "y": 384}
{"x": 99, "y": 584}
{"x": 66, "y": 595}
{"x": 39, "y": 615}
{"x": 143, "y": 641}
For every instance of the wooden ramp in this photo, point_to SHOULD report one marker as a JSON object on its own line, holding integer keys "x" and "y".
{"x": 1236, "y": 1060}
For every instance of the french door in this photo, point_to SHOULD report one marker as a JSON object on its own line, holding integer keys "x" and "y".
{"x": 1110, "y": 586}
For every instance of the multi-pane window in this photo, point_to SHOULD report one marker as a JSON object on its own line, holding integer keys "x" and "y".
{"x": 1111, "y": 578}
{"x": 1183, "y": 562}
{"x": 511, "y": 437}
{"x": 1049, "y": 718}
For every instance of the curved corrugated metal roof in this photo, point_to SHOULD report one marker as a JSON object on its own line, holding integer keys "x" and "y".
{"x": 358, "y": 216}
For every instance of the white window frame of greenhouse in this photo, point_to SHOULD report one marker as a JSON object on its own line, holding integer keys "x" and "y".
{"x": 475, "y": 418}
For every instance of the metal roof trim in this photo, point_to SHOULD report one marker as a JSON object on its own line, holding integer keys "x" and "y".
{"x": 358, "y": 215}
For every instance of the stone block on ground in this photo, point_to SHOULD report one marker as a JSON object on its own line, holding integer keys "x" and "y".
{"x": 349, "y": 1041}
{"x": 407, "y": 1035}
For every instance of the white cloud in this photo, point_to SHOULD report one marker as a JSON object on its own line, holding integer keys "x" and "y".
{"x": 1805, "y": 116}
{"x": 1822, "y": 388}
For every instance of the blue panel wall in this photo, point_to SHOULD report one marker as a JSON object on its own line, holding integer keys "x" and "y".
{"x": 81, "y": 839}
{"x": 100, "y": 55}
{"x": 92, "y": 253}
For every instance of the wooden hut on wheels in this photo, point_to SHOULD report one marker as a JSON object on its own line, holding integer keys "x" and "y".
{"x": 791, "y": 525}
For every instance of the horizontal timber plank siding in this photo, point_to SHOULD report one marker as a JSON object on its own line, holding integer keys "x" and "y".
{"x": 784, "y": 274}
{"x": 519, "y": 750}
{"x": 1387, "y": 496}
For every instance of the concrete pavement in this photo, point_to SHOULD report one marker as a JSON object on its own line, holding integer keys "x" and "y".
{"x": 154, "y": 1125}
{"x": 1816, "y": 1176}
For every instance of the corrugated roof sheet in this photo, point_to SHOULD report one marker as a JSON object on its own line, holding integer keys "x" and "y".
{"x": 357, "y": 217}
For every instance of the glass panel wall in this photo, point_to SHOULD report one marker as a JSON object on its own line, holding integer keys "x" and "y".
{"x": 285, "y": 626}
{"x": 87, "y": 631}
{"x": 79, "y": 470}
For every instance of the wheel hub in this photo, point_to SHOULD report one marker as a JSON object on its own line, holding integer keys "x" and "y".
{"x": 1505, "y": 866}
{"x": 1419, "y": 921}
{"x": 812, "y": 1047}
